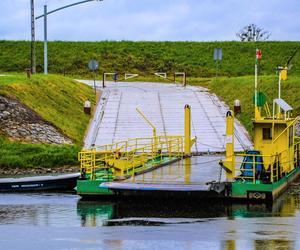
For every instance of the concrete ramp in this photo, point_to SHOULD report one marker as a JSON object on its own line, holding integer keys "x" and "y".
{"x": 116, "y": 117}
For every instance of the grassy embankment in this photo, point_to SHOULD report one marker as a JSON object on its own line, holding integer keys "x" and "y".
{"x": 58, "y": 100}
{"x": 242, "y": 88}
{"x": 145, "y": 58}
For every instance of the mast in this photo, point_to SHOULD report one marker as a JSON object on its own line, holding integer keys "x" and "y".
{"x": 257, "y": 109}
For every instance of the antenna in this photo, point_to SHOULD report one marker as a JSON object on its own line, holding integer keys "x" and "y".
{"x": 292, "y": 56}
{"x": 283, "y": 70}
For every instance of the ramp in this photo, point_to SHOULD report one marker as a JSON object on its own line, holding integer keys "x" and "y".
{"x": 116, "y": 118}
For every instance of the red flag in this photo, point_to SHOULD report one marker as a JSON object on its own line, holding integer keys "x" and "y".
{"x": 258, "y": 54}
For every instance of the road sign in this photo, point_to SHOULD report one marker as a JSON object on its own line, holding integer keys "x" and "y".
{"x": 93, "y": 65}
{"x": 218, "y": 54}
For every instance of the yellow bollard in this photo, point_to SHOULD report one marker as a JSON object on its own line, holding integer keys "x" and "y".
{"x": 188, "y": 142}
{"x": 187, "y": 130}
{"x": 230, "y": 158}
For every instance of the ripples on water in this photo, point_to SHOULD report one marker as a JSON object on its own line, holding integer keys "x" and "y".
{"x": 63, "y": 221}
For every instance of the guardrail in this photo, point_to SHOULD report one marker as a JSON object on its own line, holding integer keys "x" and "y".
{"x": 266, "y": 168}
{"x": 128, "y": 157}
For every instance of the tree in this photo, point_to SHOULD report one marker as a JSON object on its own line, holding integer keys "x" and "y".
{"x": 254, "y": 33}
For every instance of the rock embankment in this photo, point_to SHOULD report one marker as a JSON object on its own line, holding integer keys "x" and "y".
{"x": 22, "y": 124}
{"x": 16, "y": 172}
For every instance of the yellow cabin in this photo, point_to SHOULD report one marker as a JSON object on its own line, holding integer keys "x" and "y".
{"x": 274, "y": 136}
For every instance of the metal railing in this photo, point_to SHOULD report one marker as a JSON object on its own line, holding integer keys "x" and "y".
{"x": 128, "y": 157}
{"x": 253, "y": 169}
{"x": 270, "y": 168}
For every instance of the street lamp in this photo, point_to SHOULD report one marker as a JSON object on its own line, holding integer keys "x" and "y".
{"x": 45, "y": 15}
{"x": 33, "y": 63}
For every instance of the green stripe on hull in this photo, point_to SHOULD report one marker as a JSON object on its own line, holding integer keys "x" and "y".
{"x": 89, "y": 187}
{"x": 241, "y": 189}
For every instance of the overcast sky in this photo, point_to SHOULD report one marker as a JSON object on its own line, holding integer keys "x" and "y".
{"x": 186, "y": 20}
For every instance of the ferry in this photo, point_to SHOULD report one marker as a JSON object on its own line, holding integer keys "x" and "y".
{"x": 260, "y": 173}
{"x": 267, "y": 170}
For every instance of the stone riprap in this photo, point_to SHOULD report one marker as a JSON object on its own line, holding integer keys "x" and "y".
{"x": 22, "y": 124}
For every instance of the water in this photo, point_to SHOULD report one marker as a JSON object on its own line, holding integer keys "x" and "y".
{"x": 63, "y": 221}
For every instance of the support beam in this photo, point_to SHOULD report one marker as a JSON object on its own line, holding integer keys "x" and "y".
{"x": 155, "y": 146}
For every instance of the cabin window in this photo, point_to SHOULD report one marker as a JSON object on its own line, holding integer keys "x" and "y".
{"x": 267, "y": 134}
{"x": 291, "y": 133}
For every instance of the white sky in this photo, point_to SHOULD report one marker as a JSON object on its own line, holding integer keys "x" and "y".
{"x": 185, "y": 20}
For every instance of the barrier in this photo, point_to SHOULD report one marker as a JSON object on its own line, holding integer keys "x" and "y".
{"x": 114, "y": 75}
{"x": 180, "y": 74}
{"x": 161, "y": 74}
{"x": 128, "y": 76}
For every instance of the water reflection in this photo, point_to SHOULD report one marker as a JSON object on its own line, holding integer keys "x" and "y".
{"x": 258, "y": 244}
{"x": 150, "y": 225}
{"x": 96, "y": 213}
{"x": 38, "y": 209}
{"x": 256, "y": 226}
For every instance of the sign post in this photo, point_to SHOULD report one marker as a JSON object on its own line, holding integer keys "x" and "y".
{"x": 94, "y": 65}
{"x": 217, "y": 58}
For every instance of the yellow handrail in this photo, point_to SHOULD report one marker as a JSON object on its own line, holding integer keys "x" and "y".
{"x": 124, "y": 157}
{"x": 274, "y": 163}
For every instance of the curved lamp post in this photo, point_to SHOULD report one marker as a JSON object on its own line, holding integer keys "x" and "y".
{"x": 45, "y": 15}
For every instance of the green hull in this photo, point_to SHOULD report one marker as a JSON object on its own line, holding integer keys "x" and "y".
{"x": 91, "y": 187}
{"x": 250, "y": 190}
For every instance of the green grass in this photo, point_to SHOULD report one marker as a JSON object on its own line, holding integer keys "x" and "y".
{"x": 195, "y": 58}
{"x": 242, "y": 88}
{"x": 10, "y": 78}
{"x": 13, "y": 154}
{"x": 58, "y": 100}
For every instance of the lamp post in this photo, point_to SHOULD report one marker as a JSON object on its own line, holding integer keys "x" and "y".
{"x": 33, "y": 62}
{"x": 45, "y": 15}
{"x": 45, "y": 41}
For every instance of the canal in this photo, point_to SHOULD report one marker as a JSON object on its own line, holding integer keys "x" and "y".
{"x": 64, "y": 221}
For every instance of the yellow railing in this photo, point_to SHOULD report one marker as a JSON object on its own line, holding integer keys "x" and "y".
{"x": 272, "y": 165}
{"x": 123, "y": 158}
{"x": 269, "y": 166}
